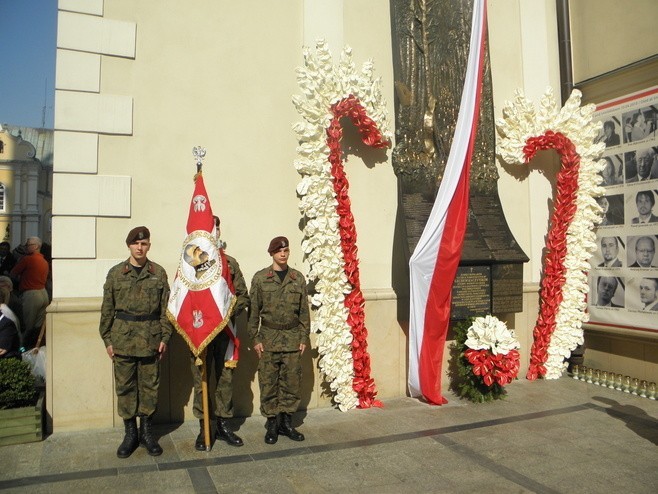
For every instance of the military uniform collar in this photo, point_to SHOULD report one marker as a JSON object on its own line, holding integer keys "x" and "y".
{"x": 128, "y": 268}
{"x": 271, "y": 275}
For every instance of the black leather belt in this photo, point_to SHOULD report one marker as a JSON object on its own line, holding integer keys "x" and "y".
{"x": 273, "y": 325}
{"x": 124, "y": 316}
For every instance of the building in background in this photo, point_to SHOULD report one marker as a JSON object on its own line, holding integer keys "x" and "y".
{"x": 26, "y": 171}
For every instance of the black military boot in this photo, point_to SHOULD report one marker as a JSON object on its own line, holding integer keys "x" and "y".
{"x": 286, "y": 428}
{"x": 146, "y": 437}
{"x": 226, "y": 434}
{"x": 200, "y": 443}
{"x": 130, "y": 440}
{"x": 271, "y": 435}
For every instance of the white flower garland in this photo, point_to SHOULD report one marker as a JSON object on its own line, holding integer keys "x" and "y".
{"x": 522, "y": 121}
{"x": 323, "y": 85}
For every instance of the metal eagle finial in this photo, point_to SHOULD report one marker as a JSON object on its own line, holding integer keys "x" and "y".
{"x": 199, "y": 154}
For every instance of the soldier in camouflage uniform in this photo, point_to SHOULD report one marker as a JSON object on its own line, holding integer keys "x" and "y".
{"x": 216, "y": 352}
{"x": 279, "y": 306}
{"x": 136, "y": 331}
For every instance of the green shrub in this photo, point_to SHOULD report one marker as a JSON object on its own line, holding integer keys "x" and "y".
{"x": 16, "y": 384}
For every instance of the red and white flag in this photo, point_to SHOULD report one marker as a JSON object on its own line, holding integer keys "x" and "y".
{"x": 434, "y": 262}
{"x": 202, "y": 295}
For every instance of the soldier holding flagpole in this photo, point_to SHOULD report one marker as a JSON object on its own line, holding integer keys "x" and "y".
{"x": 216, "y": 352}
{"x": 203, "y": 296}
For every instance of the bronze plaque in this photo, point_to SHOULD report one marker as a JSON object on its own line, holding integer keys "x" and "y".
{"x": 471, "y": 292}
{"x": 507, "y": 288}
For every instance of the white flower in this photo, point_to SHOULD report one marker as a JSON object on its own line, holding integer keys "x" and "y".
{"x": 323, "y": 84}
{"x": 489, "y": 333}
{"x": 520, "y": 122}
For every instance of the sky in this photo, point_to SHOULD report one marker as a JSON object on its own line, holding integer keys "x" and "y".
{"x": 28, "y": 40}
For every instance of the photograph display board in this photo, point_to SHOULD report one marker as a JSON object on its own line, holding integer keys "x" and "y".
{"x": 623, "y": 278}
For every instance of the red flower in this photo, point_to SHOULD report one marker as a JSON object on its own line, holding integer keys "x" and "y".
{"x": 350, "y": 107}
{"x": 556, "y": 245}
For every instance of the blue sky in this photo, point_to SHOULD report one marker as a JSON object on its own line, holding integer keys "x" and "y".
{"x": 28, "y": 39}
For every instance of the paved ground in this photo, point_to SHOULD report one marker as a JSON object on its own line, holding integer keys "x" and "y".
{"x": 547, "y": 437}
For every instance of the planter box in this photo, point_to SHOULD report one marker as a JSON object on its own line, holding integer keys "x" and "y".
{"x": 22, "y": 425}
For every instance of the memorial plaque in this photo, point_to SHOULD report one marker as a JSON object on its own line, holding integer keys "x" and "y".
{"x": 471, "y": 292}
{"x": 506, "y": 288}
{"x": 488, "y": 237}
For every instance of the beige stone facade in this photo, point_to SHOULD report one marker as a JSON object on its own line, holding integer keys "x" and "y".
{"x": 140, "y": 83}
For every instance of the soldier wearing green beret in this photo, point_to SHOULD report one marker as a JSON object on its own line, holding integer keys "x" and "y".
{"x": 135, "y": 329}
{"x": 279, "y": 325}
{"x": 216, "y": 354}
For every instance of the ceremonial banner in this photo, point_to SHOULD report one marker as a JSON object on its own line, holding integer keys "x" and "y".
{"x": 434, "y": 262}
{"x": 202, "y": 295}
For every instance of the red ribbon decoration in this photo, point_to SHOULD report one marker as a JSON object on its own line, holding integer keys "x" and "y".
{"x": 556, "y": 245}
{"x": 351, "y": 107}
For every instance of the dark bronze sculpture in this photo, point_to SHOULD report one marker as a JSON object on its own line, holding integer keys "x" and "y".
{"x": 431, "y": 43}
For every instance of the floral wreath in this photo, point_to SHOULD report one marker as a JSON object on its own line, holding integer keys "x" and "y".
{"x": 488, "y": 358}
{"x": 522, "y": 132}
{"x": 330, "y": 93}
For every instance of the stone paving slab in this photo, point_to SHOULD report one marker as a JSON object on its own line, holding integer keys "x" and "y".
{"x": 546, "y": 437}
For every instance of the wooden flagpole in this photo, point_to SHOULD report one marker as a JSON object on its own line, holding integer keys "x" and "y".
{"x": 204, "y": 391}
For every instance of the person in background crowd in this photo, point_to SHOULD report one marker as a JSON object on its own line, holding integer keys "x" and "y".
{"x": 216, "y": 352}
{"x": 14, "y": 303}
{"x": 279, "y": 325}
{"x": 136, "y": 331}
{"x": 7, "y": 259}
{"x": 9, "y": 339}
{"x": 32, "y": 273}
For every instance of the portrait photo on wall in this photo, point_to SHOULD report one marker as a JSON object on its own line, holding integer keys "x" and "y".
{"x": 641, "y": 251}
{"x": 613, "y": 209}
{"x": 642, "y": 294}
{"x": 611, "y": 252}
{"x": 613, "y": 173}
{"x": 641, "y": 165}
{"x": 639, "y": 124}
{"x": 610, "y": 132}
{"x": 640, "y": 206}
{"x": 609, "y": 292}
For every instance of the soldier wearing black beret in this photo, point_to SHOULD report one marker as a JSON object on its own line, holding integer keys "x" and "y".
{"x": 135, "y": 329}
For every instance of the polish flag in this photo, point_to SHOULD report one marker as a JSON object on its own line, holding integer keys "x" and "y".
{"x": 202, "y": 294}
{"x": 434, "y": 262}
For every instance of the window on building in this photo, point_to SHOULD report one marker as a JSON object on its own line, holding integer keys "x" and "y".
{"x": 2, "y": 197}
{"x": 2, "y": 147}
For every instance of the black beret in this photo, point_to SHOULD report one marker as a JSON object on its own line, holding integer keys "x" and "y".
{"x": 277, "y": 243}
{"x": 138, "y": 233}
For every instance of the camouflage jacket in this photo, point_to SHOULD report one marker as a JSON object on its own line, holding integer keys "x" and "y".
{"x": 143, "y": 295}
{"x": 280, "y": 309}
{"x": 239, "y": 284}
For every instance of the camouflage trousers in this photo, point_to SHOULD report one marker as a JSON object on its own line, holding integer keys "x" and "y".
{"x": 280, "y": 378}
{"x": 136, "y": 381}
{"x": 223, "y": 379}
